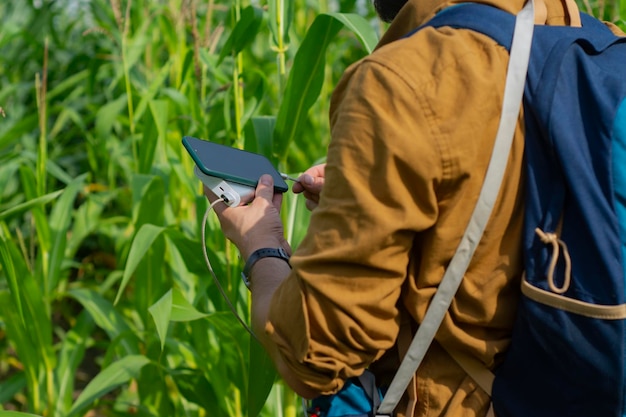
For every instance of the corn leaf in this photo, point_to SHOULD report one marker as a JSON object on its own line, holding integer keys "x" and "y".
{"x": 59, "y": 225}
{"x": 260, "y": 379}
{"x": 88, "y": 219}
{"x": 281, "y": 14}
{"x": 358, "y": 25}
{"x": 26, "y": 124}
{"x": 244, "y": 32}
{"x": 194, "y": 386}
{"x": 107, "y": 116}
{"x": 190, "y": 251}
{"x": 70, "y": 82}
{"x": 72, "y": 351}
{"x": 9, "y": 166}
{"x": 116, "y": 374}
{"x": 304, "y": 83}
{"x": 148, "y": 144}
{"x": 155, "y": 87}
{"x": 26, "y": 351}
{"x": 182, "y": 310}
{"x": 11, "y": 386}
{"x": 141, "y": 244}
{"x": 155, "y": 122}
{"x": 107, "y": 318}
{"x": 148, "y": 195}
{"x": 29, "y": 185}
{"x": 161, "y": 312}
{"x": 151, "y": 278}
{"x": 38, "y": 322}
{"x": 14, "y": 267}
{"x": 263, "y": 132}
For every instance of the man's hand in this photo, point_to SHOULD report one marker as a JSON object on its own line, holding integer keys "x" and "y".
{"x": 251, "y": 227}
{"x": 310, "y": 183}
{"x": 256, "y": 225}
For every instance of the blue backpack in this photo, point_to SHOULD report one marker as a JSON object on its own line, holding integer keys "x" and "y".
{"x": 567, "y": 355}
{"x": 568, "y": 350}
{"x": 569, "y": 342}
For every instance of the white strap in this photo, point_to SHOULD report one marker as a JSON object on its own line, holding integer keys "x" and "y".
{"x": 513, "y": 93}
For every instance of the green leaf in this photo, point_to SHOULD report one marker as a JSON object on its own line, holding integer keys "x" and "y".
{"x": 244, "y": 32}
{"x": 107, "y": 318}
{"x": 196, "y": 388}
{"x": 155, "y": 125}
{"x": 25, "y": 125}
{"x": 190, "y": 250}
{"x": 264, "y": 132}
{"x": 14, "y": 267}
{"x": 307, "y": 75}
{"x": 148, "y": 197}
{"x": 173, "y": 306}
{"x": 182, "y": 310}
{"x": 155, "y": 87}
{"x": 71, "y": 81}
{"x": 107, "y": 115}
{"x": 141, "y": 244}
{"x": 159, "y": 110}
{"x": 88, "y": 219}
{"x": 152, "y": 385}
{"x": 281, "y": 14}
{"x": 9, "y": 166}
{"x": 261, "y": 378}
{"x": 31, "y": 334}
{"x": 304, "y": 83}
{"x": 29, "y": 185}
{"x": 11, "y": 386}
{"x": 26, "y": 350}
{"x": 39, "y": 323}
{"x": 16, "y": 414}
{"x": 360, "y": 27}
{"x": 28, "y": 205}
{"x": 148, "y": 144}
{"x": 59, "y": 225}
{"x": 116, "y": 374}
{"x": 161, "y": 312}
{"x": 72, "y": 352}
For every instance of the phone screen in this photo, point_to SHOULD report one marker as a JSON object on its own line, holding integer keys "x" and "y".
{"x": 232, "y": 164}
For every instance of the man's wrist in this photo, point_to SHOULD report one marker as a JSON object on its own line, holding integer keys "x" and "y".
{"x": 259, "y": 254}
{"x": 249, "y": 246}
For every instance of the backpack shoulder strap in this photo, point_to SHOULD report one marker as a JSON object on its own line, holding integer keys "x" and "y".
{"x": 514, "y": 89}
{"x": 481, "y": 18}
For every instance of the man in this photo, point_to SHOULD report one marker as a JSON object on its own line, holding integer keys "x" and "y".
{"x": 412, "y": 127}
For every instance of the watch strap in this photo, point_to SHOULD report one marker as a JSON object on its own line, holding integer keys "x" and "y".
{"x": 258, "y": 255}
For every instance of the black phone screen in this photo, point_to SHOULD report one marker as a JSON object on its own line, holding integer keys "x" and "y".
{"x": 232, "y": 164}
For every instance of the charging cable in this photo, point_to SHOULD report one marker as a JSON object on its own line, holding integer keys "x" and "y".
{"x": 208, "y": 264}
{"x": 217, "y": 281}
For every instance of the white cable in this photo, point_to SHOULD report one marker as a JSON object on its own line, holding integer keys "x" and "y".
{"x": 219, "y": 286}
{"x": 208, "y": 264}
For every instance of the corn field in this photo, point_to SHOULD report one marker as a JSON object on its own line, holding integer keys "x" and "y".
{"x": 107, "y": 307}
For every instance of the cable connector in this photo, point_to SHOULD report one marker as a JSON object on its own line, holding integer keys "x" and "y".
{"x": 233, "y": 194}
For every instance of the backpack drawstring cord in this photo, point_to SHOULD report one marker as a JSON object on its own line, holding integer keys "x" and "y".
{"x": 552, "y": 238}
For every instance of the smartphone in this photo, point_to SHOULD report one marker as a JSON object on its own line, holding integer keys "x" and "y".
{"x": 232, "y": 164}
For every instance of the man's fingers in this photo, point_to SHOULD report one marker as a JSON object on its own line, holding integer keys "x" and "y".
{"x": 312, "y": 184}
{"x": 310, "y": 204}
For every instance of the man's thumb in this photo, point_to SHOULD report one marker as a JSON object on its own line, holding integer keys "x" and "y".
{"x": 265, "y": 188}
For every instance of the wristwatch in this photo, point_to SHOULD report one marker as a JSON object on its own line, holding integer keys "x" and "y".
{"x": 260, "y": 254}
